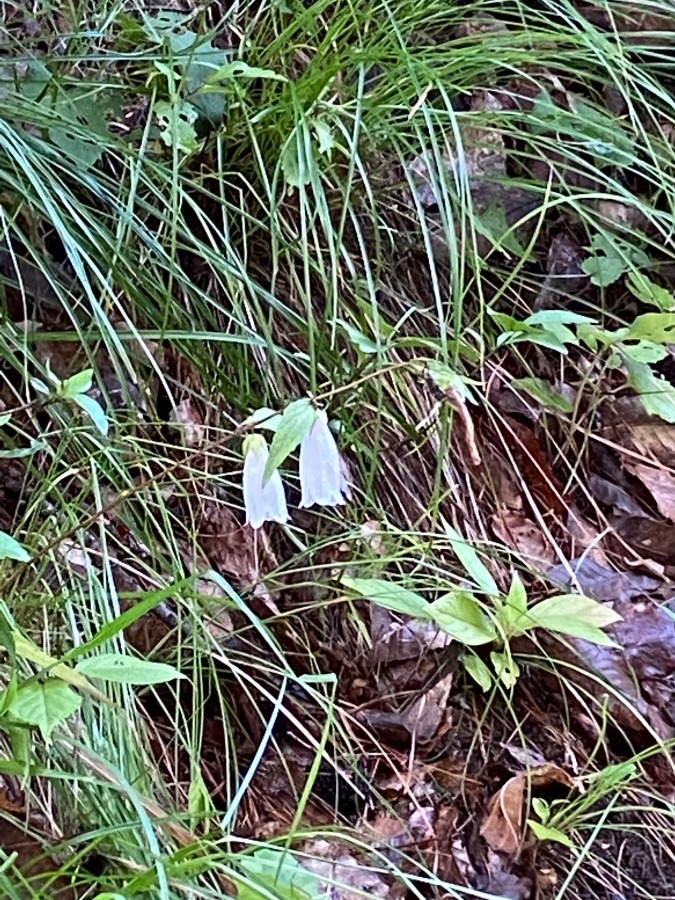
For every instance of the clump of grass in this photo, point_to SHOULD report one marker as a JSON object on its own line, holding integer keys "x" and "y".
{"x": 284, "y": 246}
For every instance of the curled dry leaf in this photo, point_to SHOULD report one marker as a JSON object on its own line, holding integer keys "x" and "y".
{"x": 502, "y": 827}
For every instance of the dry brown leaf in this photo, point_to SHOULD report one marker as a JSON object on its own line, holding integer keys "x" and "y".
{"x": 427, "y": 714}
{"x": 502, "y": 828}
{"x": 525, "y": 537}
{"x": 660, "y": 483}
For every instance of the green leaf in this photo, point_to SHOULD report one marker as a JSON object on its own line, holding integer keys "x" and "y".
{"x": 390, "y": 595}
{"x": 460, "y": 615}
{"x": 477, "y": 669}
{"x": 541, "y": 808}
{"x": 325, "y": 137}
{"x": 547, "y": 833}
{"x": 76, "y": 384}
{"x": 361, "y": 341}
{"x": 296, "y": 422}
{"x": 513, "y": 612}
{"x": 123, "y": 669}
{"x": 44, "y": 704}
{"x": 472, "y": 563}
{"x": 264, "y": 418}
{"x": 239, "y": 69}
{"x": 649, "y": 292}
{"x": 446, "y": 379}
{"x": 575, "y": 615}
{"x": 4, "y": 419}
{"x": 544, "y": 393}
{"x": 656, "y": 394}
{"x": 278, "y": 873}
{"x": 21, "y": 452}
{"x": 94, "y": 410}
{"x": 10, "y": 548}
{"x": 656, "y": 327}
{"x": 643, "y": 351}
{"x": 506, "y": 668}
{"x": 177, "y": 124}
{"x": 40, "y": 386}
{"x": 604, "y": 270}
{"x": 296, "y": 166}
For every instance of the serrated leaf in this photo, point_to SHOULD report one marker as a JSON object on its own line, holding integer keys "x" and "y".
{"x": 656, "y": 394}
{"x": 44, "y": 704}
{"x": 10, "y": 548}
{"x": 122, "y": 669}
{"x": 76, "y": 384}
{"x": 390, "y": 595}
{"x": 94, "y": 410}
{"x": 547, "y": 833}
{"x": 574, "y": 615}
{"x": 296, "y": 422}
{"x": 543, "y": 392}
{"x": 477, "y": 669}
{"x": 460, "y": 615}
{"x": 474, "y": 566}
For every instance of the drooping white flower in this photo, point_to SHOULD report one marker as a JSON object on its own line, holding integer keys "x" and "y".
{"x": 263, "y": 502}
{"x": 321, "y": 478}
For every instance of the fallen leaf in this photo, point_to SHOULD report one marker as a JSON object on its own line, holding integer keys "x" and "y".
{"x": 659, "y": 482}
{"x": 525, "y": 537}
{"x": 502, "y": 827}
{"x": 596, "y": 581}
{"x": 426, "y": 715}
{"x": 342, "y": 876}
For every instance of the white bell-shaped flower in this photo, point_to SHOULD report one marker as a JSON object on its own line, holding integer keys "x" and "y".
{"x": 321, "y": 477}
{"x": 263, "y": 502}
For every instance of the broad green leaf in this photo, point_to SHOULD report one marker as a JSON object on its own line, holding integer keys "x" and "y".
{"x": 477, "y": 669}
{"x": 4, "y": 419}
{"x": 10, "y": 548}
{"x": 390, "y": 595}
{"x": 94, "y": 410}
{"x": 123, "y": 669}
{"x": 460, "y": 615}
{"x": 544, "y": 393}
{"x": 296, "y": 423}
{"x": 76, "y": 384}
{"x": 177, "y": 122}
{"x": 239, "y": 69}
{"x": 575, "y": 615}
{"x": 643, "y": 351}
{"x": 297, "y": 166}
{"x": 604, "y": 270}
{"x": 547, "y": 833}
{"x": 656, "y": 327}
{"x": 541, "y": 808}
{"x": 656, "y": 394}
{"x": 474, "y": 566}
{"x": 551, "y": 319}
{"x": 26, "y": 649}
{"x": 506, "y": 668}
{"x": 278, "y": 873}
{"x": 44, "y": 704}
{"x": 513, "y": 612}
{"x": 324, "y": 136}
{"x": 649, "y": 292}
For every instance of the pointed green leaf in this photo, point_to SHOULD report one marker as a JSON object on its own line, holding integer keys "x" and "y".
{"x": 473, "y": 564}
{"x": 656, "y": 394}
{"x": 477, "y": 669}
{"x": 547, "y": 833}
{"x": 390, "y": 595}
{"x": 76, "y": 384}
{"x": 296, "y": 422}
{"x": 575, "y": 615}
{"x": 123, "y": 669}
{"x": 10, "y": 548}
{"x": 94, "y": 410}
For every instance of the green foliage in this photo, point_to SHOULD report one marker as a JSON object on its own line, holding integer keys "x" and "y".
{"x": 10, "y": 548}
{"x": 44, "y": 704}
{"x": 296, "y": 422}
{"x": 123, "y": 669}
{"x": 276, "y": 872}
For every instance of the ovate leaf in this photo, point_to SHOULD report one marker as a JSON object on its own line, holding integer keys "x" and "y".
{"x": 477, "y": 669}
{"x": 544, "y": 393}
{"x": 296, "y": 422}
{"x": 123, "y": 669}
{"x": 575, "y": 615}
{"x": 94, "y": 410}
{"x": 44, "y": 704}
{"x": 390, "y": 595}
{"x": 10, "y": 548}
{"x": 460, "y": 615}
{"x": 76, "y": 384}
